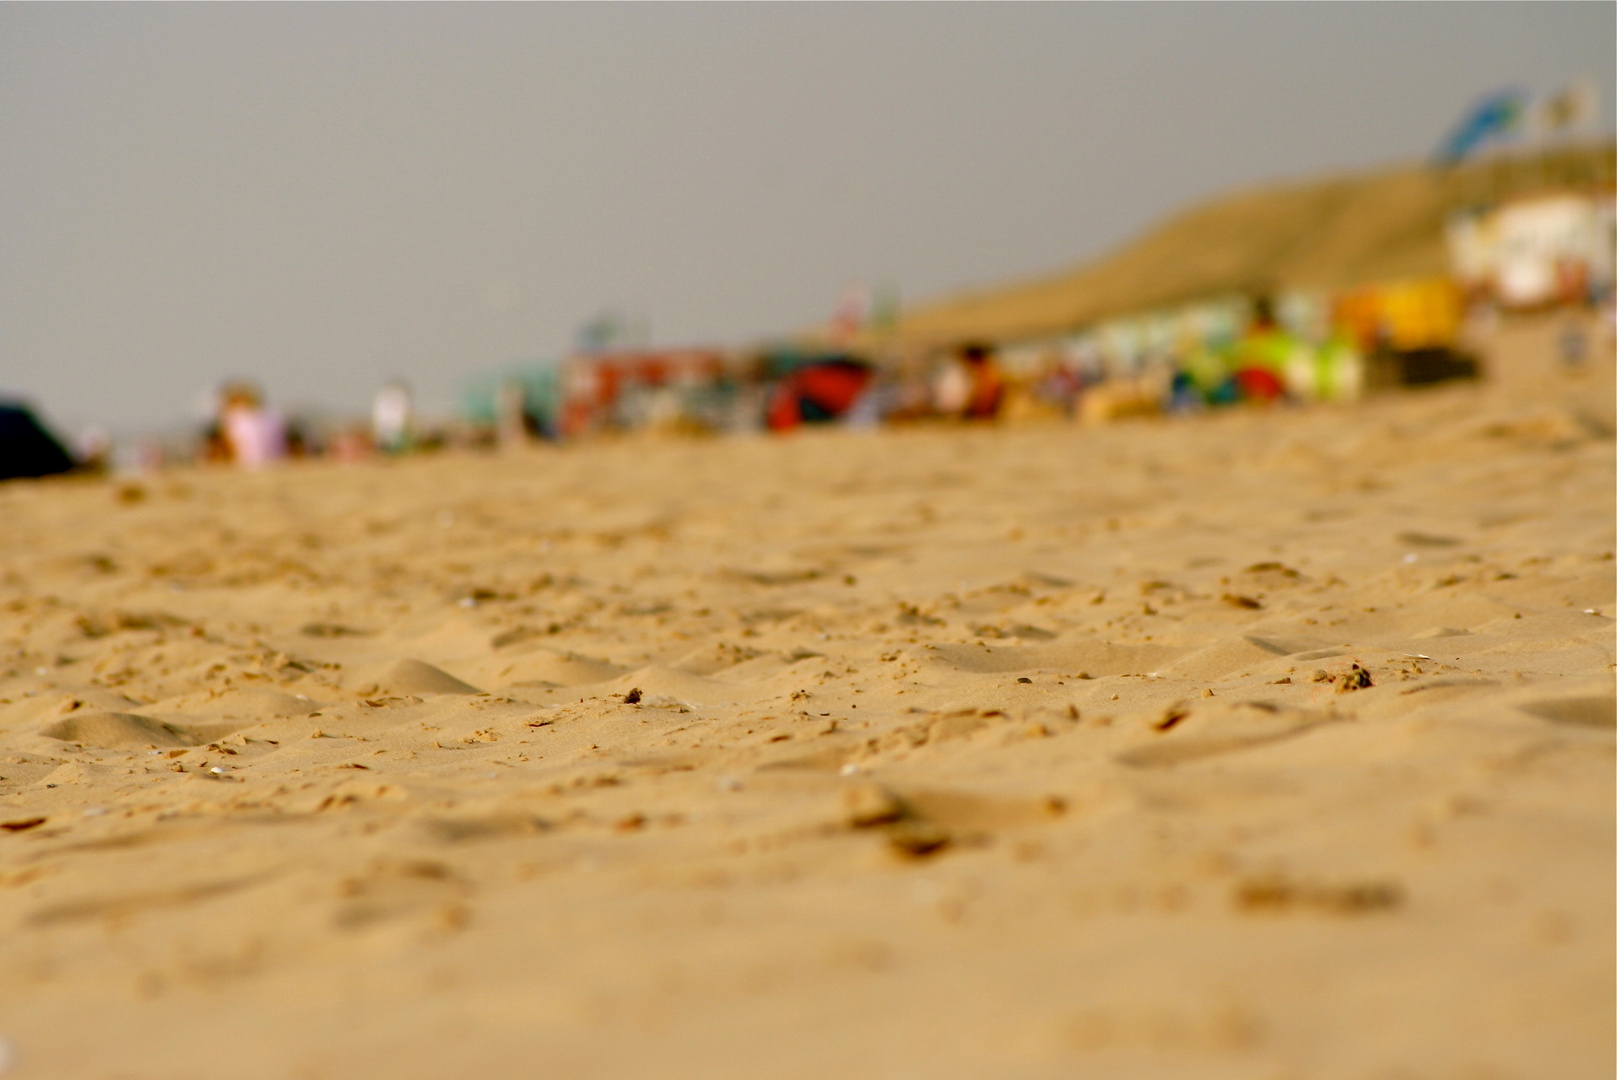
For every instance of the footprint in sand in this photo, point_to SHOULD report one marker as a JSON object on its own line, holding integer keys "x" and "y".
{"x": 1193, "y": 732}
{"x": 922, "y": 823}
{"x": 715, "y": 657}
{"x": 246, "y": 703}
{"x": 130, "y": 903}
{"x": 1097, "y": 657}
{"x": 1595, "y": 712}
{"x": 549, "y": 667}
{"x": 657, "y": 681}
{"x": 391, "y": 890}
{"x": 1234, "y": 654}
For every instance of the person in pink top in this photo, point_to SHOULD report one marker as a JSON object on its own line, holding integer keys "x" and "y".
{"x": 255, "y": 433}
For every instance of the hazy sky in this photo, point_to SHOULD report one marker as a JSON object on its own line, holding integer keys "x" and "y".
{"x": 324, "y": 197}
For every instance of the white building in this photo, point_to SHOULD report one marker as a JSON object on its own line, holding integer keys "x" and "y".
{"x": 1539, "y": 251}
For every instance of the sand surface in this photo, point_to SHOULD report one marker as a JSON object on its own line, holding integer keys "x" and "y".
{"x": 1024, "y": 752}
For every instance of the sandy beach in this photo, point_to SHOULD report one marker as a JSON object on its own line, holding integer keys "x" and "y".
{"x": 1265, "y": 744}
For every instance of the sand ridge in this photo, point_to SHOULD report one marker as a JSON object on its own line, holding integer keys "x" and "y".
{"x": 1259, "y": 744}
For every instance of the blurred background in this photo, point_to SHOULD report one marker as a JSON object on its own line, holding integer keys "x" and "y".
{"x": 405, "y": 225}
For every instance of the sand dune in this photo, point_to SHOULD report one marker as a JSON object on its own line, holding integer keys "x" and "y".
{"x": 1262, "y": 744}
{"x": 112, "y": 729}
{"x": 1330, "y": 233}
{"x": 417, "y": 677}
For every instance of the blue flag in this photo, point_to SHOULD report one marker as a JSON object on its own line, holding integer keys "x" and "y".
{"x": 1493, "y": 118}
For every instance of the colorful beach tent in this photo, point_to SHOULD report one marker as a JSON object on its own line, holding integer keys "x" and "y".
{"x": 817, "y": 390}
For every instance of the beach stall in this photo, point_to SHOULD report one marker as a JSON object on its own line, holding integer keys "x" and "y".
{"x": 1537, "y": 252}
{"x": 1408, "y": 331}
{"x": 1357, "y": 269}
{"x": 623, "y": 390}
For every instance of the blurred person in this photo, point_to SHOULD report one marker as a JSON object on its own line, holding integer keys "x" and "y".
{"x": 886, "y": 397}
{"x": 852, "y": 314}
{"x": 349, "y": 445}
{"x": 393, "y": 418}
{"x": 149, "y": 455}
{"x": 1209, "y": 371}
{"x": 952, "y": 389}
{"x": 1331, "y": 371}
{"x": 300, "y": 443}
{"x": 1263, "y": 355}
{"x": 511, "y": 422}
{"x": 1059, "y": 385}
{"x": 986, "y": 385}
{"x": 254, "y": 434}
{"x": 214, "y": 448}
{"x": 1183, "y": 393}
{"x": 94, "y": 449}
{"x": 1572, "y": 343}
{"x": 911, "y": 398}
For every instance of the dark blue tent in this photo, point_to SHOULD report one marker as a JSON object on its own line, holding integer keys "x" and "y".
{"x": 26, "y": 448}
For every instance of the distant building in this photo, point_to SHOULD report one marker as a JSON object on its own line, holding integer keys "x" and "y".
{"x": 1538, "y": 251}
